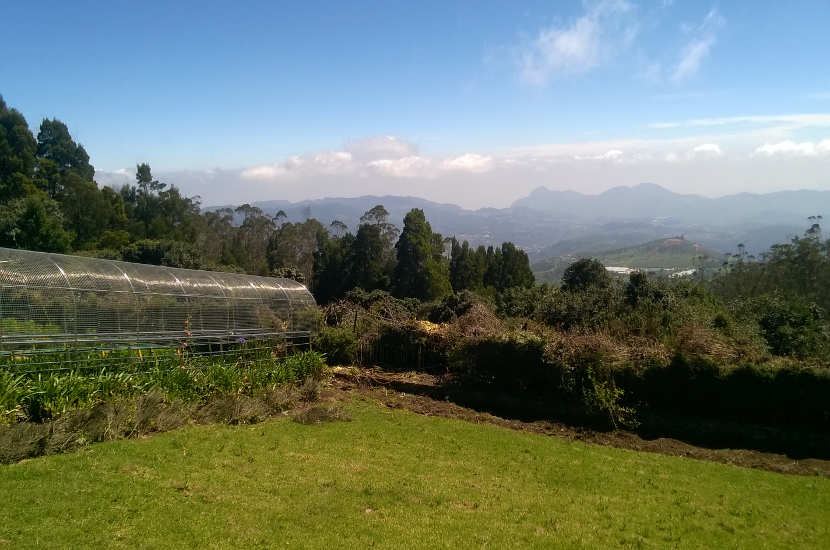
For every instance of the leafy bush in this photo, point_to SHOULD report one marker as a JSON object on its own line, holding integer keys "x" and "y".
{"x": 410, "y": 346}
{"x": 512, "y": 363}
{"x": 383, "y": 303}
{"x": 339, "y": 345}
{"x": 584, "y": 274}
{"x": 306, "y": 364}
{"x": 603, "y": 396}
{"x": 792, "y": 326}
{"x": 450, "y": 308}
{"x": 522, "y": 365}
{"x": 581, "y": 310}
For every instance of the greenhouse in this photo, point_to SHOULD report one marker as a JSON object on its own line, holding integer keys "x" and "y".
{"x": 75, "y": 309}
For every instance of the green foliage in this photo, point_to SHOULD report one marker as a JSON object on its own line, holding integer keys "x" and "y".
{"x": 288, "y": 272}
{"x": 165, "y": 252}
{"x": 580, "y": 310}
{"x": 467, "y": 266}
{"x": 422, "y": 271}
{"x": 520, "y": 365}
{"x": 17, "y": 152}
{"x": 364, "y": 260}
{"x": 450, "y": 308}
{"x": 383, "y": 304}
{"x": 304, "y": 364}
{"x": 792, "y": 326}
{"x": 584, "y": 274}
{"x": 46, "y": 395}
{"x": 799, "y": 268}
{"x": 290, "y": 245}
{"x": 603, "y": 396}
{"x": 514, "y": 363}
{"x": 33, "y": 222}
{"x": 55, "y": 144}
{"x": 786, "y": 293}
{"x": 369, "y": 259}
{"x": 522, "y": 302}
{"x": 499, "y": 268}
{"x": 330, "y": 280}
{"x": 338, "y": 345}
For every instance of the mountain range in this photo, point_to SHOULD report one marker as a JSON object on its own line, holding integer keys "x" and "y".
{"x": 550, "y": 223}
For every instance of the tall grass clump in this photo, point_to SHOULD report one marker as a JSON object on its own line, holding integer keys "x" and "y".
{"x": 42, "y": 396}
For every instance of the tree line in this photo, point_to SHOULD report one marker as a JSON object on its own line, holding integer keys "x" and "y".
{"x": 49, "y": 201}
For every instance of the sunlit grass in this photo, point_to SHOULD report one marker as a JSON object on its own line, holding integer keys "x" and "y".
{"x": 393, "y": 479}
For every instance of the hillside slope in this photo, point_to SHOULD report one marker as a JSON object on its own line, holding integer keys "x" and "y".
{"x": 675, "y": 252}
{"x": 392, "y": 479}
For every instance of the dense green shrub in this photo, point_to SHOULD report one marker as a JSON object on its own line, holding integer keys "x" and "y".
{"x": 510, "y": 363}
{"x": 584, "y": 274}
{"x": 695, "y": 386}
{"x": 339, "y": 345}
{"x": 791, "y": 325}
{"x": 581, "y": 309}
{"x": 449, "y": 308}
{"x": 519, "y": 365}
{"x": 383, "y": 303}
{"x": 408, "y": 346}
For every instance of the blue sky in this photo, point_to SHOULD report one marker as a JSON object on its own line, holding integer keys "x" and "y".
{"x": 447, "y": 100}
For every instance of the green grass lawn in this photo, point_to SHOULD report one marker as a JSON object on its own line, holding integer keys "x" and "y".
{"x": 393, "y": 479}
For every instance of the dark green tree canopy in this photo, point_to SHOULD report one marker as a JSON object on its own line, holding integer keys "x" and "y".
{"x": 55, "y": 143}
{"x": 584, "y": 274}
{"x": 422, "y": 271}
{"x": 17, "y": 152}
{"x": 499, "y": 268}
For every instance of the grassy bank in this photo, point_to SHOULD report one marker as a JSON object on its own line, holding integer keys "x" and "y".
{"x": 390, "y": 479}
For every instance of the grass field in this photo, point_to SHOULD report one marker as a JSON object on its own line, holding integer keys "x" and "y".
{"x": 393, "y": 479}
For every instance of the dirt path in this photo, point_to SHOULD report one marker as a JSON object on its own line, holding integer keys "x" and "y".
{"x": 420, "y": 393}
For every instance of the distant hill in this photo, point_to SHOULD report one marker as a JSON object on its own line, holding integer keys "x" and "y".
{"x": 675, "y": 252}
{"x": 550, "y": 224}
{"x": 650, "y": 201}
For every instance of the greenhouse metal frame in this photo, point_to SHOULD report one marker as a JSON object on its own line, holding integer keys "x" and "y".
{"x": 58, "y": 311}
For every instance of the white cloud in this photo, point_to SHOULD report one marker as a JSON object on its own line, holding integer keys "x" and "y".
{"x": 332, "y": 162}
{"x": 699, "y": 47}
{"x": 381, "y": 147}
{"x": 470, "y": 162}
{"x": 611, "y": 154}
{"x": 323, "y": 163}
{"x": 708, "y": 149}
{"x": 580, "y": 46}
{"x": 264, "y": 172}
{"x": 713, "y": 165}
{"x": 406, "y": 167}
{"x": 792, "y": 148}
{"x": 364, "y": 164}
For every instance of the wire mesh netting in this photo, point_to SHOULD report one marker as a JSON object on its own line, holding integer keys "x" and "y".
{"x": 66, "y": 312}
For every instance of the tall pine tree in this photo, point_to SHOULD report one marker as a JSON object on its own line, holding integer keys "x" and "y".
{"x": 422, "y": 271}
